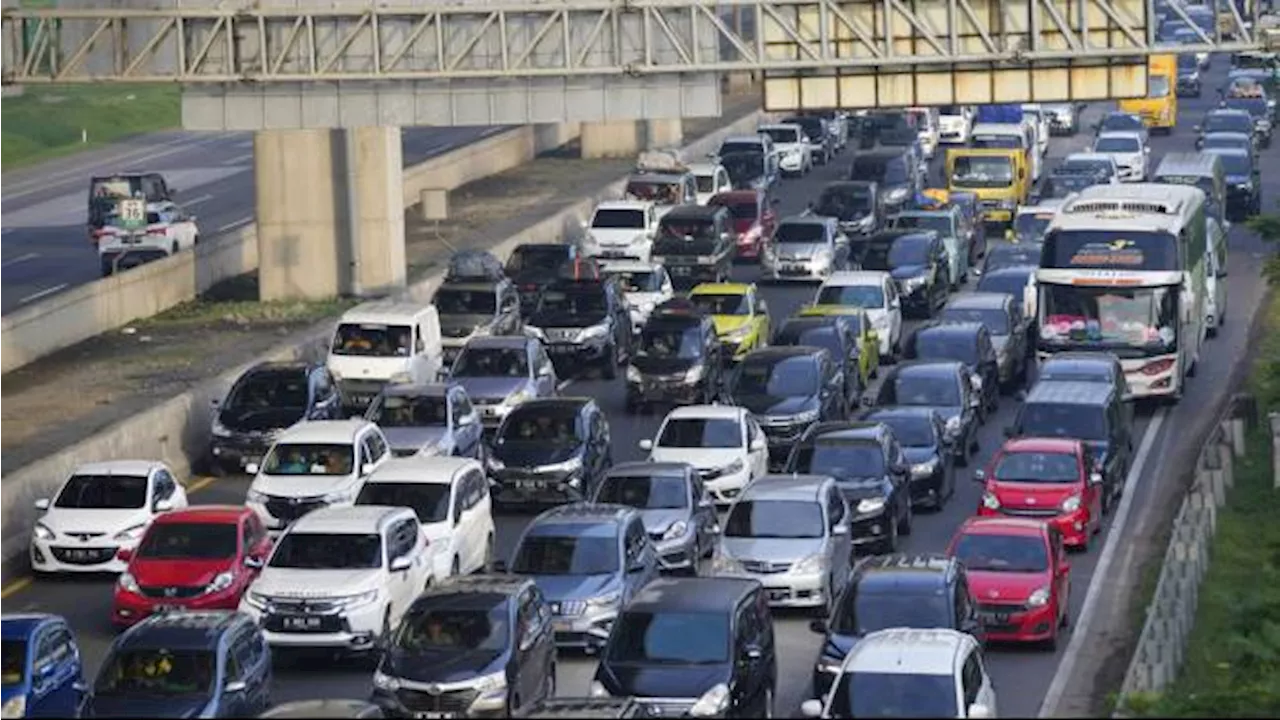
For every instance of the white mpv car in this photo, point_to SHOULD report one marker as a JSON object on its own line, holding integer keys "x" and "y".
{"x": 102, "y": 508}
{"x": 340, "y": 578}
{"x": 724, "y": 442}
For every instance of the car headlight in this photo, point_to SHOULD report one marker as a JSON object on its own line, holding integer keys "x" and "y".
{"x": 807, "y": 416}
{"x": 990, "y": 501}
{"x": 896, "y": 195}
{"x": 676, "y": 530}
{"x": 976, "y": 380}
{"x": 633, "y": 374}
{"x": 342, "y": 496}
{"x": 607, "y": 600}
{"x": 1039, "y": 598}
{"x": 714, "y": 702}
{"x": 219, "y": 430}
{"x": 130, "y": 533}
{"x": 953, "y": 426}
{"x": 828, "y": 665}
{"x": 868, "y": 506}
{"x": 647, "y": 308}
{"x": 128, "y": 583}
{"x": 595, "y": 332}
{"x": 924, "y": 469}
{"x": 220, "y": 582}
{"x": 42, "y": 532}
{"x": 571, "y": 465}
{"x": 257, "y": 601}
{"x": 1008, "y": 205}
{"x": 823, "y": 256}
{"x": 598, "y": 690}
{"x": 353, "y": 601}
{"x": 383, "y": 681}
{"x": 255, "y": 496}
{"x": 733, "y": 467}
{"x": 516, "y": 398}
{"x": 811, "y": 564}
{"x": 880, "y": 322}
{"x": 14, "y": 707}
{"x": 490, "y": 683}
{"x": 912, "y": 284}
{"x": 694, "y": 374}
{"x": 1071, "y": 504}
{"x": 722, "y": 563}
{"x": 494, "y": 462}
{"x": 400, "y": 378}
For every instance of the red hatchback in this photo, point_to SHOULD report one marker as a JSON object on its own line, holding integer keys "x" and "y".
{"x": 1046, "y": 478}
{"x": 198, "y": 558}
{"x": 753, "y": 218}
{"x": 1019, "y": 576}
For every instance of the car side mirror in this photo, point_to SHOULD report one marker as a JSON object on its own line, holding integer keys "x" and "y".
{"x": 1010, "y": 431}
{"x": 400, "y": 564}
{"x": 235, "y": 686}
{"x": 366, "y": 469}
{"x": 124, "y": 555}
{"x": 253, "y": 562}
{"x": 980, "y": 475}
{"x": 251, "y": 468}
{"x": 811, "y": 708}
{"x": 646, "y": 444}
{"x": 978, "y": 710}
{"x": 758, "y": 444}
{"x": 1095, "y": 478}
{"x": 42, "y": 504}
{"x": 162, "y": 505}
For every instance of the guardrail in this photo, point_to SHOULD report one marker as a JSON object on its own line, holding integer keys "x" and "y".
{"x": 1171, "y": 614}
{"x": 80, "y": 313}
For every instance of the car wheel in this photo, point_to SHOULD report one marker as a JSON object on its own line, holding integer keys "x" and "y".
{"x": 610, "y": 368}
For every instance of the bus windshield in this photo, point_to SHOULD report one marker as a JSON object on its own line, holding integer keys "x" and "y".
{"x": 1132, "y": 322}
{"x": 1110, "y": 250}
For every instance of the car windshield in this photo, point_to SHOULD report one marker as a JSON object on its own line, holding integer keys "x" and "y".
{"x": 909, "y": 250}
{"x": 158, "y": 672}
{"x": 480, "y": 362}
{"x": 1124, "y": 320}
{"x": 1037, "y": 467}
{"x": 721, "y": 303}
{"x": 670, "y": 638}
{"x": 536, "y": 257}
{"x": 927, "y": 391}
{"x": 913, "y": 431}
{"x": 373, "y": 340}
{"x": 701, "y": 433}
{"x": 843, "y": 202}
{"x": 800, "y": 233}
{"x": 325, "y": 551}
{"x": 1227, "y": 122}
{"x": 996, "y": 320}
{"x": 189, "y": 541}
{"x": 743, "y": 166}
{"x": 1236, "y": 163}
{"x": 866, "y": 612}
{"x": 888, "y": 172}
{"x": 590, "y": 551}
{"x": 430, "y": 630}
{"x": 982, "y": 172}
{"x": 706, "y": 183}
{"x": 782, "y": 135}
{"x": 1118, "y": 145}
{"x": 14, "y": 654}
{"x": 894, "y": 695}
{"x": 542, "y": 425}
{"x": 785, "y": 377}
{"x": 1002, "y": 553}
{"x": 1012, "y": 284}
{"x": 1031, "y": 225}
{"x": 1227, "y": 141}
{"x": 658, "y": 342}
{"x": 269, "y": 391}
{"x": 841, "y": 459}
{"x": 824, "y": 336}
{"x": 589, "y": 303}
{"x": 429, "y": 500}
{"x": 103, "y": 492}
{"x": 1079, "y": 422}
{"x": 1255, "y": 106}
{"x": 948, "y": 345}
{"x": 733, "y": 147}
{"x": 618, "y": 219}
{"x": 638, "y": 281}
{"x": 455, "y": 301}
{"x": 411, "y": 411}
{"x": 930, "y": 221}
{"x": 774, "y": 519}
{"x": 996, "y": 142}
{"x": 867, "y": 296}
{"x": 308, "y": 459}
{"x": 1085, "y": 166}
{"x": 1120, "y": 121}
{"x": 646, "y": 492}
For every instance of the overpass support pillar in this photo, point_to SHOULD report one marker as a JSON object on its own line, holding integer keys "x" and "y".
{"x": 626, "y": 138}
{"x": 330, "y": 212}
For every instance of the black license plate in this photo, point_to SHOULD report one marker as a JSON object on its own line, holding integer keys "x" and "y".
{"x": 301, "y": 623}
{"x": 168, "y": 608}
{"x": 363, "y": 398}
{"x": 563, "y": 349}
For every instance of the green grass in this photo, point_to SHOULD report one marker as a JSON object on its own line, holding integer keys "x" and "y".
{"x": 1232, "y": 666}
{"x": 46, "y": 122}
{"x": 246, "y": 312}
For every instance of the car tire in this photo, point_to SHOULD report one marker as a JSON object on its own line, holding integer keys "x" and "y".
{"x": 610, "y": 367}
{"x": 550, "y": 689}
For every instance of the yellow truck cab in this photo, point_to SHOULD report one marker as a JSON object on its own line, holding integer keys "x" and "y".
{"x": 998, "y": 176}
{"x": 740, "y": 315}
{"x": 1159, "y": 109}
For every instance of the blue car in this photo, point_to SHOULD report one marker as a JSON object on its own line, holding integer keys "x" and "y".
{"x": 185, "y": 664}
{"x": 43, "y": 675}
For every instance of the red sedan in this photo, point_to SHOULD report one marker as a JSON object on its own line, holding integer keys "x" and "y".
{"x": 753, "y": 218}
{"x": 198, "y": 558}
{"x": 1019, "y": 575}
{"x": 1047, "y": 478}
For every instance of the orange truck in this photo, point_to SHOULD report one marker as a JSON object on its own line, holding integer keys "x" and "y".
{"x": 1159, "y": 109}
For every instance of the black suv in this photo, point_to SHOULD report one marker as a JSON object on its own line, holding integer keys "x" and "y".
{"x": 532, "y": 266}
{"x": 789, "y": 389}
{"x": 219, "y": 665}
{"x": 1086, "y": 411}
{"x": 965, "y": 342}
{"x": 478, "y": 646}
{"x": 945, "y": 386}
{"x": 1006, "y": 325}
{"x": 857, "y": 206}
{"x": 583, "y": 318}
{"x": 922, "y": 592}
{"x": 475, "y": 297}
{"x": 922, "y": 434}
{"x": 695, "y": 643}
{"x": 836, "y": 335}
{"x": 917, "y": 260}
{"x": 550, "y": 450}
{"x": 894, "y": 170}
{"x": 264, "y": 400}
{"x": 1244, "y": 181}
{"x": 678, "y": 358}
{"x": 871, "y": 471}
{"x": 696, "y": 243}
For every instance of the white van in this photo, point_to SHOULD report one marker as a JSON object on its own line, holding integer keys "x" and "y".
{"x": 380, "y": 342}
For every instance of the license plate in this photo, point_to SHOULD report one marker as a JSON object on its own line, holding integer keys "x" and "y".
{"x": 81, "y": 554}
{"x": 362, "y": 399}
{"x": 531, "y": 485}
{"x": 779, "y": 594}
{"x": 996, "y": 618}
{"x": 301, "y": 623}
{"x": 563, "y": 349}
{"x": 681, "y": 270}
{"x": 433, "y": 714}
{"x": 168, "y": 608}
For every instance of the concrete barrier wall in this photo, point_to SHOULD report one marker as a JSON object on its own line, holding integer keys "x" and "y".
{"x": 91, "y": 309}
{"x": 177, "y": 431}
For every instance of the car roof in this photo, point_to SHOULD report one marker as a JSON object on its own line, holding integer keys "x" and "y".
{"x": 1069, "y": 393}
{"x": 872, "y": 414}
{"x": 1082, "y": 358}
{"x": 927, "y": 367}
{"x": 1003, "y": 525}
{"x": 439, "y": 469}
{"x": 804, "y": 220}
{"x": 582, "y": 512}
{"x": 693, "y": 212}
{"x": 727, "y": 412}
{"x": 1231, "y": 151}
{"x": 723, "y": 288}
{"x": 418, "y": 390}
{"x": 203, "y": 514}
{"x": 623, "y": 204}
{"x": 506, "y": 585}
{"x": 514, "y": 342}
{"x": 621, "y": 266}
{"x": 1131, "y": 134}
{"x": 324, "y": 431}
{"x": 889, "y": 574}
{"x": 200, "y": 630}
{"x": 1063, "y": 446}
{"x": 353, "y": 519}
{"x": 856, "y": 278}
{"x": 979, "y": 300}
{"x": 736, "y": 196}
{"x": 850, "y": 430}
{"x": 644, "y": 468}
{"x": 379, "y": 311}
{"x": 569, "y": 403}
{"x": 774, "y": 353}
{"x": 276, "y": 366}
{"x": 1229, "y": 111}
{"x": 908, "y": 650}
{"x": 692, "y": 594}
{"x": 132, "y": 468}
{"x": 786, "y": 487}
{"x": 966, "y": 329}
{"x": 18, "y": 626}
{"x": 1019, "y": 270}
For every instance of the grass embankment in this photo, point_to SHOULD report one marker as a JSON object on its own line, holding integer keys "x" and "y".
{"x": 47, "y": 122}
{"x": 1232, "y": 666}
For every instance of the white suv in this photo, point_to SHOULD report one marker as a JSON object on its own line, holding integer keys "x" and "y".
{"x": 904, "y": 672}
{"x": 312, "y": 465}
{"x": 102, "y": 508}
{"x": 724, "y": 442}
{"x": 621, "y": 229}
{"x": 340, "y": 578}
{"x": 451, "y": 497}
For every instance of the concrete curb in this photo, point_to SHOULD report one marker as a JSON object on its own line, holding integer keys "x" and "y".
{"x": 177, "y": 430}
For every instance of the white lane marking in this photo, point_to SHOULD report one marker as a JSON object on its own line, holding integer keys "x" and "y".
{"x": 234, "y": 225}
{"x": 1101, "y": 571}
{"x": 197, "y": 200}
{"x": 238, "y": 159}
{"x": 43, "y": 293}
{"x": 19, "y": 259}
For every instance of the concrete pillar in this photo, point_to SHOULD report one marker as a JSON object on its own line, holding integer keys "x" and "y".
{"x": 374, "y": 181}
{"x": 665, "y": 133}
{"x": 298, "y": 207}
{"x": 620, "y": 139}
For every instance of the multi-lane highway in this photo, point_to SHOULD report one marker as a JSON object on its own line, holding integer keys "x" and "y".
{"x": 44, "y": 250}
{"x": 1022, "y": 676}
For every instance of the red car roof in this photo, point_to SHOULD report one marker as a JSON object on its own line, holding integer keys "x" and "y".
{"x": 1066, "y": 446}
{"x": 734, "y": 196}
{"x": 205, "y": 514}
{"x": 1003, "y": 526}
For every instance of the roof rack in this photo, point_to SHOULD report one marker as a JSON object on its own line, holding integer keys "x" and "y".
{"x": 660, "y": 161}
{"x": 474, "y": 265}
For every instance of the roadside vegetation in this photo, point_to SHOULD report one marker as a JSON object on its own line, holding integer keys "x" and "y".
{"x": 48, "y": 122}
{"x": 1232, "y": 664}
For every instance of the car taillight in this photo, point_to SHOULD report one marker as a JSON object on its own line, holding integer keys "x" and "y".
{"x": 1157, "y": 367}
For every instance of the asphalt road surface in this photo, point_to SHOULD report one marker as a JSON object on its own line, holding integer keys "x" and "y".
{"x": 1022, "y": 675}
{"x": 44, "y": 250}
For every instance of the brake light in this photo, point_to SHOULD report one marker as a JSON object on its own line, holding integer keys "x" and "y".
{"x": 1157, "y": 367}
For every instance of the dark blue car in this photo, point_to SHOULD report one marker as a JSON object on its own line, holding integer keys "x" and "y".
{"x": 185, "y": 664}
{"x": 43, "y": 675}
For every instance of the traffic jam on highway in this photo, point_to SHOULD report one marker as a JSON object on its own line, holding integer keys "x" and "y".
{"x": 832, "y": 423}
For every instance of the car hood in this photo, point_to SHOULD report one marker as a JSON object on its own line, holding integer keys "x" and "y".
{"x": 259, "y": 419}
{"x": 301, "y": 485}
{"x": 1005, "y": 587}
{"x": 67, "y": 520}
{"x": 441, "y": 665}
{"x": 414, "y": 438}
{"x": 615, "y": 236}
{"x": 1238, "y": 179}
{"x": 560, "y": 588}
{"x": 1126, "y": 159}
{"x": 778, "y": 550}
{"x": 533, "y": 276}
{"x": 498, "y": 388}
{"x": 701, "y": 458}
{"x": 728, "y": 323}
{"x": 798, "y": 250}
{"x": 361, "y": 367}
{"x": 661, "y": 681}
{"x": 855, "y": 488}
{"x": 946, "y": 411}
{"x": 532, "y": 455}
{"x": 651, "y": 365}
{"x": 905, "y": 272}
{"x": 186, "y": 572}
{"x": 774, "y": 405}
{"x": 658, "y": 521}
{"x": 136, "y": 706}
{"x": 917, "y": 455}
{"x": 311, "y": 583}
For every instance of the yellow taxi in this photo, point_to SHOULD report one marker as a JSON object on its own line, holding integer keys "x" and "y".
{"x": 866, "y": 339}
{"x": 739, "y": 313}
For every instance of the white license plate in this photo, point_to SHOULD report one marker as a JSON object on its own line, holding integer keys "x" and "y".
{"x": 435, "y": 714}
{"x": 301, "y": 623}
{"x": 81, "y": 554}
{"x": 532, "y": 484}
